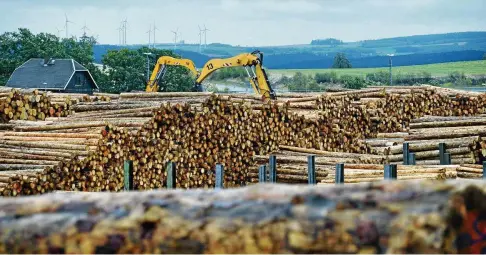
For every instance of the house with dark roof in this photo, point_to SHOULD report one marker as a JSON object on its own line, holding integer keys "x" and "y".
{"x": 57, "y": 75}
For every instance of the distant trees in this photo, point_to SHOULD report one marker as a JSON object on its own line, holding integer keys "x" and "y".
{"x": 340, "y": 61}
{"x": 127, "y": 71}
{"x": 484, "y": 56}
{"x": 22, "y": 45}
{"x": 328, "y": 41}
{"x": 123, "y": 69}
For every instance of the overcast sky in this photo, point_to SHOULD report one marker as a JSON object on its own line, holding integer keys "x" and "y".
{"x": 247, "y": 22}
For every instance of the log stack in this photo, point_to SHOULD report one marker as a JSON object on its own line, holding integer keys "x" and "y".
{"x": 386, "y": 217}
{"x": 199, "y": 130}
{"x": 23, "y": 105}
{"x": 465, "y": 139}
{"x": 385, "y": 110}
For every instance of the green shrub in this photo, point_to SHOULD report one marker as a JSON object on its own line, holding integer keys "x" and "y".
{"x": 326, "y": 77}
{"x": 381, "y": 77}
{"x": 353, "y": 82}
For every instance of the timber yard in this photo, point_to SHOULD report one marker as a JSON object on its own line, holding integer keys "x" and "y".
{"x": 145, "y": 148}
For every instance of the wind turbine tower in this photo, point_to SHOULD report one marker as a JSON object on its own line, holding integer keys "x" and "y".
{"x": 59, "y": 32}
{"x": 200, "y": 38}
{"x": 150, "y": 34}
{"x": 175, "y": 38}
{"x": 124, "y": 31}
{"x": 120, "y": 34}
{"x": 205, "y": 33}
{"x": 66, "y": 25}
{"x": 84, "y": 29}
{"x": 155, "y": 28}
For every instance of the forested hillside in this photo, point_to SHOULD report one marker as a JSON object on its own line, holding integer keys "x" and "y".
{"x": 409, "y": 50}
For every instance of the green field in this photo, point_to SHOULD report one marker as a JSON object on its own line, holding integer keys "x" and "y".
{"x": 436, "y": 70}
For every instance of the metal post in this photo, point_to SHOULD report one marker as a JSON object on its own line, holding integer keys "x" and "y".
{"x": 311, "y": 169}
{"x": 411, "y": 159}
{"x": 171, "y": 175}
{"x": 484, "y": 169}
{"x": 219, "y": 176}
{"x": 447, "y": 159}
{"x": 272, "y": 176}
{"x": 339, "y": 173}
{"x": 148, "y": 68}
{"x": 442, "y": 150}
{"x": 406, "y": 154}
{"x": 390, "y": 172}
{"x": 262, "y": 173}
{"x": 128, "y": 175}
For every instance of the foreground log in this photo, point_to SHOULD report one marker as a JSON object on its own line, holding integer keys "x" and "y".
{"x": 256, "y": 219}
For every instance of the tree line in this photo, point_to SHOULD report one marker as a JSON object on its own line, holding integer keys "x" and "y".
{"x": 123, "y": 69}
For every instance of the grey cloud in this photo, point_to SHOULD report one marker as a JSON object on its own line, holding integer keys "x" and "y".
{"x": 248, "y": 22}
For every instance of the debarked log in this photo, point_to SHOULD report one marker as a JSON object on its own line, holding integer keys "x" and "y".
{"x": 384, "y": 217}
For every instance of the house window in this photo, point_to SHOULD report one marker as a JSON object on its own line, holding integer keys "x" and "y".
{"x": 78, "y": 82}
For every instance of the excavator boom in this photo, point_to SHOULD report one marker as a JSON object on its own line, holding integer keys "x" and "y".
{"x": 252, "y": 62}
{"x": 161, "y": 67}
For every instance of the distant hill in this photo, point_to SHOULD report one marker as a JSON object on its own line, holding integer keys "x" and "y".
{"x": 409, "y": 50}
{"x": 317, "y": 62}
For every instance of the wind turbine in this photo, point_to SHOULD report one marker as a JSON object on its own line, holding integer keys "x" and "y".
{"x": 150, "y": 34}
{"x": 120, "y": 34}
{"x": 175, "y": 38}
{"x": 59, "y": 32}
{"x": 124, "y": 27}
{"x": 66, "y": 25}
{"x": 84, "y": 29}
{"x": 205, "y": 32}
{"x": 155, "y": 28}
{"x": 200, "y": 38}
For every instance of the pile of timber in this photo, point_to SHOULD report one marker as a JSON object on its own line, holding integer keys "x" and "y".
{"x": 28, "y": 105}
{"x": 387, "y": 217}
{"x": 390, "y": 109}
{"x": 196, "y": 138}
{"x": 355, "y": 173}
{"x": 199, "y": 130}
{"x": 292, "y": 167}
{"x": 470, "y": 171}
{"x": 292, "y": 163}
{"x": 464, "y": 137}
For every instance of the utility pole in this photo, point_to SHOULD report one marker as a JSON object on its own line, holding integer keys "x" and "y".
{"x": 148, "y": 64}
{"x": 391, "y": 77}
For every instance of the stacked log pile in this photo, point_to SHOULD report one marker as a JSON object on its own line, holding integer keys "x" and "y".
{"x": 355, "y": 173}
{"x": 199, "y": 130}
{"x": 292, "y": 163}
{"x": 389, "y": 217}
{"x": 23, "y": 105}
{"x": 194, "y": 137}
{"x": 385, "y": 110}
{"x": 464, "y": 137}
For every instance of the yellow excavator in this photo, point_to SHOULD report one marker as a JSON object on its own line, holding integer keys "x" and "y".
{"x": 161, "y": 68}
{"x": 252, "y": 62}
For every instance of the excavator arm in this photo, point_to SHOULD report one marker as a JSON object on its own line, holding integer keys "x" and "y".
{"x": 252, "y": 62}
{"x": 161, "y": 68}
